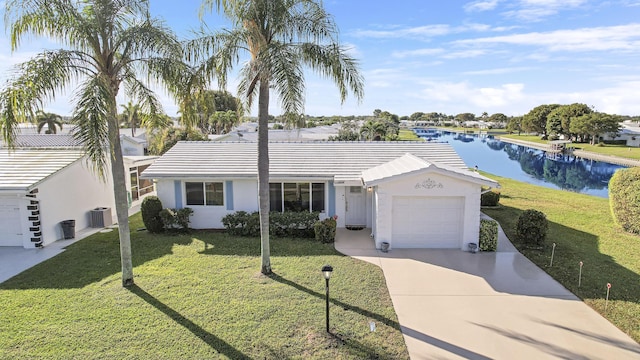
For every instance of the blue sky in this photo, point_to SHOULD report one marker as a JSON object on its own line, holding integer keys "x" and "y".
{"x": 457, "y": 56}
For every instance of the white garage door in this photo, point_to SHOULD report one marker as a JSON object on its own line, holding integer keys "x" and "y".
{"x": 10, "y": 225}
{"x": 427, "y": 222}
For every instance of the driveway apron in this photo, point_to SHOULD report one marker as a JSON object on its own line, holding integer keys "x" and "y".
{"x": 458, "y": 305}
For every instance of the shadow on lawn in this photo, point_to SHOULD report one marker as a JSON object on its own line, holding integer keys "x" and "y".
{"x": 93, "y": 259}
{"x": 343, "y": 305}
{"x": 215, "y": 342}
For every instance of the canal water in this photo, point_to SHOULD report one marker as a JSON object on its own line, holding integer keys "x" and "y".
{"x": 558, "y": 171}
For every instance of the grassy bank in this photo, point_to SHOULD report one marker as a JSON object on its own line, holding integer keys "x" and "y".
{"x": 622, "y": 151}
{"x": 197, "y": 296}
{"x": 583, "y": 230}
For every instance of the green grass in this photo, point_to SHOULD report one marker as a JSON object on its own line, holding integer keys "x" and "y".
{"x": 197, "y": 296}
{"x": 583, "y": 230}
{"x": 408, "y": 135}
{"x": 622, "y": 151}
{"x": 530, "y": 138}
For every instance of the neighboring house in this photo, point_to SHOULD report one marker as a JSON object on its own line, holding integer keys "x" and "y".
{"x": 629, "y": 132}
{"x": 39, "y": 188}
{"x": 247, "y": 132}
{"x": 410, "y": 194}
{"x": 47, "y": 179}
{"x": 133, "y": 146}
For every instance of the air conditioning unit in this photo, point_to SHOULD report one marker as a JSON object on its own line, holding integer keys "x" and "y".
{"x": 101, "y": 217}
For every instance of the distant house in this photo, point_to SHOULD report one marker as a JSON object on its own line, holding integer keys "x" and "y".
{"x": 47, "y": 179}
{"x": 629, "y": 133}
{"x": 410, "y": 194}
{"x": 133, "y": 146}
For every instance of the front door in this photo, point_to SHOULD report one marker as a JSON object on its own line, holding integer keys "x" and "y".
{"x": 355, "y": 207}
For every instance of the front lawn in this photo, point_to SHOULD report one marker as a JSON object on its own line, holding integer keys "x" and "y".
{"x": 197, "y": 296}
{"x": 582, "y": 228}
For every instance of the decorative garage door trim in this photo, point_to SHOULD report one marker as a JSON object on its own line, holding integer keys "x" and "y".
{"x": 427, "y": 222}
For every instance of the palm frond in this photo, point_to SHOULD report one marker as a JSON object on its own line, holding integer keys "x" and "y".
{"x": 91, "y": 116}
{"x": 333, "y": 62}
{"x": 35, "y": 82}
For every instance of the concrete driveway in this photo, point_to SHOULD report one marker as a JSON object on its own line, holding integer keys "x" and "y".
{"x": 457, "y": 305}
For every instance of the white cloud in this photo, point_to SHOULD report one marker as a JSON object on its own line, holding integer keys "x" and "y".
{"x": 498, "y": 71}
{"x": 481, "y": 5}
{"x": 464, "y": 54}
{"x": 428, "y": 31}
{"x": 622, "y": 37}
{"x": 536, "y": 10}
{"x": 417, "y": 52}
{"x": 419, "y": 31}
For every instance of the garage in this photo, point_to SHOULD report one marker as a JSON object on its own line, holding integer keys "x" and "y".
{"x": 427, "y": 222}
{"x": 10, "y": 224}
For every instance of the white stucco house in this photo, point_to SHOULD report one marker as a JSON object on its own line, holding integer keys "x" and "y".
{"x": 409, "y": 194}
{"x": 41, "y": 188}
{"x": 629, "y": 133}
{"x": 47, "y": 180}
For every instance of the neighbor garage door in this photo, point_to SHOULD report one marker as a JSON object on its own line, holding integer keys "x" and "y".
{"x": 10, "y": 226}
{"x": 427, "y": 222}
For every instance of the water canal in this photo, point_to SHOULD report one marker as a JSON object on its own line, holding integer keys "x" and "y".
{"x": 558, "y": 171}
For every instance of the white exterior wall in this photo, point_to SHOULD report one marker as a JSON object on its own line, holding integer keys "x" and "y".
{"x": 70, "y": 194}
{"x": 245, "y": 195}
{"x": 407, "y": 187}
{"x": 340, "y": 202}
{"x": 165, "y": 191}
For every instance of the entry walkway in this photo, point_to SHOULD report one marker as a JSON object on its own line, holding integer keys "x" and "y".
{"x": 457, "y": 305}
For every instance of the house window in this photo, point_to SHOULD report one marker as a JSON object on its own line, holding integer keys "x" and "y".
{"x": 139, "y": 186}
{"x": 204, "y": 193}
{"x": 297, "y": 196}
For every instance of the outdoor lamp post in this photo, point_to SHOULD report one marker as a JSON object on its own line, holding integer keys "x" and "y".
{"x": 326, "y": 272}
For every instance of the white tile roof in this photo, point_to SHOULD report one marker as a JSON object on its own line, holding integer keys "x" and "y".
{"x": 45, "y": 141}
{"x": 21, "y": 170}
{"x": 410, "y": 164}
{"x": 311, "y": 160}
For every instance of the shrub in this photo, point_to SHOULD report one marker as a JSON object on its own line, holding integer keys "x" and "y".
{"x": 242, "y": 223}
{"x": 281, "y": 224}
{"x": 292, "y": 224}
{"x": 325, "y": 230}
{"x": 624, "y": 199}
{"x": 490, "y": 198}
{"x": 150, "y": 209}
{"x": 532, "y": 227}
{"x": 176, "y": 219}
{"x": 488, "y": 235}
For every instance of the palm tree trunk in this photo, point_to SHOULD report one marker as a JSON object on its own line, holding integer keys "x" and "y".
{"x": 263, "y": 174}
{"x": 122, "y": 205}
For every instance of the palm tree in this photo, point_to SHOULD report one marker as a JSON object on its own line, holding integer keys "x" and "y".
{"x": 281, "y": 37}
{"x": 106, "y": 43}
{"x": 373, "y": 130}
{"x": 132, "y": 116}
{"x": 50, "y": 120}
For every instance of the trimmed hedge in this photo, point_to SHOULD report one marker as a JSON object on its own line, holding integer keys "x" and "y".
{"x": 325, "y": 230}
{"x": 281, "y": 224}
{"x": 532, "y": 227}
{"x": 292, "y": 224}
{"x": 624, "y": 199}
{"x": 488, "y": 235}
{"x": 150, "y": 209}
{"x": 490, "y": 198}
{"x": 176, "y": 219}
{"x": 242, "y": 223}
